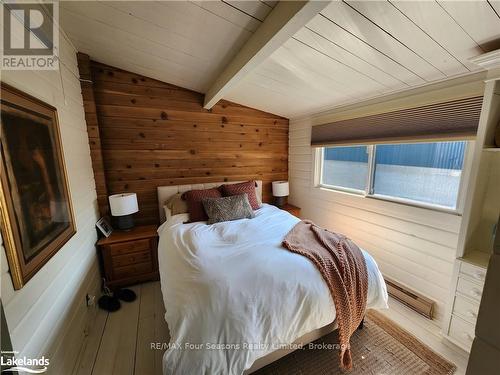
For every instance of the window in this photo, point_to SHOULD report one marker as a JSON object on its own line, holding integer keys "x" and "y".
{"x": 423, "y": 173}
{"x": 345, "y": 167}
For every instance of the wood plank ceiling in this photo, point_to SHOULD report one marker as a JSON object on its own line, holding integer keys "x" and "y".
{"x": 185, "y": 43}
{"x": 352, "y": 50}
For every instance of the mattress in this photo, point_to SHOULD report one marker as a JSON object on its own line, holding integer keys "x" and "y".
{"x": 233, "y": 294}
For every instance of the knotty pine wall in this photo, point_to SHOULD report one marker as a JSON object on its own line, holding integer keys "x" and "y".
{"x": 150, "y": 133}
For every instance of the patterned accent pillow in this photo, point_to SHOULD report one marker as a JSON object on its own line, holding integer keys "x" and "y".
{"x": 228, "y": 208}
{"x": 242, "y": 188}
{"x": 194, "y": 202}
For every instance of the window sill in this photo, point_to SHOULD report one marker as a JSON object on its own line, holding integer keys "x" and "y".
{"x": 397, "y": 201}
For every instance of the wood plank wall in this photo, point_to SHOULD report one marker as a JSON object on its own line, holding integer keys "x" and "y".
{"x": 152, "y": 134}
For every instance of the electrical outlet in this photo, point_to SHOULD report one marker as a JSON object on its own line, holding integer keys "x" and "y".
{"x": 90, "y": 300}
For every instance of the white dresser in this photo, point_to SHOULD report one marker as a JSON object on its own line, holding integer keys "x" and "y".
{"x": 469, "y": 283}
{"x": 481, "y": 212}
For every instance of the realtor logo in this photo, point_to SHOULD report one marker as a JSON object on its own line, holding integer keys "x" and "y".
{"x": 30, "y": 36}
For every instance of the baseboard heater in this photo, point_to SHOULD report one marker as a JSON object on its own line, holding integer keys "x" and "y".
{"x": 413, "y": 300}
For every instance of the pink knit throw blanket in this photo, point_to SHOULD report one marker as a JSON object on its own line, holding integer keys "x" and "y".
{"x": 343, "y": 267}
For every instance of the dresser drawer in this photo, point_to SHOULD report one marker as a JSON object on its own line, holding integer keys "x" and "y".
{"x": 470, "y": 289}
{"x": 466, "y": 309}
{"x": 133, "y": 270}
{"x": 474, "y": 272}
{"x": 131, "y": 258}
{"x": 462, "y": 332}
{"x": 129, "y": 247}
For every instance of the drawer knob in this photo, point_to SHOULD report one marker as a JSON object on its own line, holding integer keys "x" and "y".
{"x": 475, "y": 292}
{"x": 478, "y": 275}
{"x": 468, "y": 336}
{"x": 472, "y": 314}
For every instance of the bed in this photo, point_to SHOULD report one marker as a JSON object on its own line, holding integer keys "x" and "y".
{"x": 235, "y": 299}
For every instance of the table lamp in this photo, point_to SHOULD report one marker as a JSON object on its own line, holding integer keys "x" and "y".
{"x": 123, "y": 206}
{"x": 280, "y": 192}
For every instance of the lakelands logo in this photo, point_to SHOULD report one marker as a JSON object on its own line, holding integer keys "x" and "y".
{"x": 30, "y": 37}
{"x": 23, "y": 364}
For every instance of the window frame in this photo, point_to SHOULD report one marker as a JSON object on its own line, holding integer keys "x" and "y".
{"x": 369, "y": 193}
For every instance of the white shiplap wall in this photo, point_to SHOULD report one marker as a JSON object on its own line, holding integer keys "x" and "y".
{"x": 48, "y": 315}
{"x": 412, "y": 245}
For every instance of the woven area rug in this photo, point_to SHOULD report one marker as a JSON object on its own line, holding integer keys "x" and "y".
{"x": 380, "y": 348}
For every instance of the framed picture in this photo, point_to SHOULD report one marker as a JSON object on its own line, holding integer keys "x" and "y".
{"x": 104, "y": 226}
{"x": 35, "y": 205}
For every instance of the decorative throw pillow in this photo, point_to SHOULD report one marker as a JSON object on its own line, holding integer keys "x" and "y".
{"x": 176, "y": 204}
{"x": 242, "y": 188}
{"x": 194, "y": 199}
{"x": 227, "y": 208}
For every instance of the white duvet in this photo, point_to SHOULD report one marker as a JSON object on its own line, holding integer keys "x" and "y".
{"x": 233, "y": 293}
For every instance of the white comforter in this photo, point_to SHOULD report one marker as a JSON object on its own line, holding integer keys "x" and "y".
{"x": 233, "y": 284}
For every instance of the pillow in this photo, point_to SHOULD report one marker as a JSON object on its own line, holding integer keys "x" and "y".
{"x": 228, "y": 208}
{"x": 242, "y": 188}
{"x": 193, "y": 199}
{"x": 176, "y": 204}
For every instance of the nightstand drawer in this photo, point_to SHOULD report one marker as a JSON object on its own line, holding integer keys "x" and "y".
{"x": 129, "y": 247}
{"x": 133, "y": 270}
{"x": 132, "y": 258}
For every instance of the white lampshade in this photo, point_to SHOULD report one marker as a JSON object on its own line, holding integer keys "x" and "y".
{"x": 280, "y": 189}
{"x": 123, "y": 204}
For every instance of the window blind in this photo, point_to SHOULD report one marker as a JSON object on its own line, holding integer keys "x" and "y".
{"x": 457, "y": 119}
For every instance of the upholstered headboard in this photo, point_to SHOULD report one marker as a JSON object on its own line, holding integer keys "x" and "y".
{"x": 165, "y": 192}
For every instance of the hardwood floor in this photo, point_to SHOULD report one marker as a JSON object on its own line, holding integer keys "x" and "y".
{"x": 124, "y": 342}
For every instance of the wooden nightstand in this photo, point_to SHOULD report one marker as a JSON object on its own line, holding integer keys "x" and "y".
{"x": 294, "y": 210}
{"x": 129, "y": 257}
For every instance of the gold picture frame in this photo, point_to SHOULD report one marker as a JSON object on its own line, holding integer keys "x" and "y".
{"x": 36, "y": 214}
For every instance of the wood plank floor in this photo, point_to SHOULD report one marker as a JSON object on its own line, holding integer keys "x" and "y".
{"x": 121, "y": 342}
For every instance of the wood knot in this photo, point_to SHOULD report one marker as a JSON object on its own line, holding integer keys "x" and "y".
{"x": 129, "y": 166}
{"x": 164, "y": 116}
{"x": 260, "y": 144}
{"x": 134, "y": 101}
{"x": 192, "y": 152}
{"x": 224, "y": 120}
{"x": 110, "y": 73}
{"x": 157, "y": 165}
{"x": 134, "y": 80}
{"x": 195, "y": 126}
{"x": 142, "y": 135}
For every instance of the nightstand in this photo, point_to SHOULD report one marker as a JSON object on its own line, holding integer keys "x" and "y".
{"x": 129, "y": 257}
{"x": 294, "y": 210}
